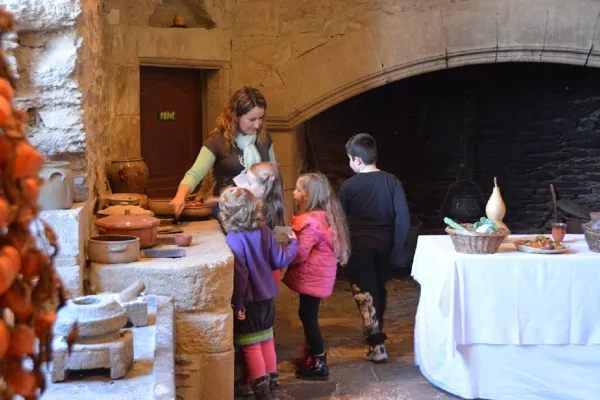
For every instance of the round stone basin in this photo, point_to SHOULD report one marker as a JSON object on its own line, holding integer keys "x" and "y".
{"x": 95, "y": 315}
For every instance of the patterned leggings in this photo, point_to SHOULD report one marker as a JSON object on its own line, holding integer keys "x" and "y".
{"x": 368, "y": 273}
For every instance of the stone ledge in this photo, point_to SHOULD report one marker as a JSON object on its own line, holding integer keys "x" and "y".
{"x": 204, "y": 332}
{"x": 201, "y": 281}
{"x": 205, "y": 376}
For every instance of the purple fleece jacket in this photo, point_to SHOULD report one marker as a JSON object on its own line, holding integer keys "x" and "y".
{"x": 256, "y": 254}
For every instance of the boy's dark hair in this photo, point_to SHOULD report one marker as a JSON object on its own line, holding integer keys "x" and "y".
{"x": 363, "y": 146}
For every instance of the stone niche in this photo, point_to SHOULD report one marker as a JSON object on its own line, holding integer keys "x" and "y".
{"x": 57, "y": 55}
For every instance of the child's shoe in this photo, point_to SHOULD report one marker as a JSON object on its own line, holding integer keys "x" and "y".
{"x": 274, "y": 385}
{"x": 376, "y": 354}
{"x": 315, "y": 369}
{"x": 261, "y": 388}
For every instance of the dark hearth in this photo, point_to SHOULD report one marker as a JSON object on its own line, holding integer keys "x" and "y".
{"x": 530, "y": 125}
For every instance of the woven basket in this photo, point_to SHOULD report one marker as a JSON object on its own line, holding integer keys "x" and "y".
{"x": 592, "y": 237}
{"x": 474, "y": 242}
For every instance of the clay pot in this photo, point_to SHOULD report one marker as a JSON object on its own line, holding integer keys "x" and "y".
{"x": 57, "y": 191}
{"x": 120, "y": 210}
{"x": 113, "y": 249}
{"x": 142, "y": 226}
{"x": 128, "y": 175}
{"x": 183, "y": 240}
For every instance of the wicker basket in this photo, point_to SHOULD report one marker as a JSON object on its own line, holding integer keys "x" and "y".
{"x": 474, "y": 242}
{"x": 592, "y": 237}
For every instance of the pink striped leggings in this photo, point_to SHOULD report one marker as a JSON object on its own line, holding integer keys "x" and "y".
{"x": 260, "y": 359}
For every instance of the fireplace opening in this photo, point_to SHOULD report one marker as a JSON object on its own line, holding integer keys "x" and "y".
{"x": 447, "y": 134}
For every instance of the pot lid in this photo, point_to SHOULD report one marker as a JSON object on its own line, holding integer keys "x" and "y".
{"x": 121, "y": 210}
{"x": 127, "y": 221}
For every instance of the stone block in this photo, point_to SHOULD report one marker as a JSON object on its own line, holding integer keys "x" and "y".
{"x": 125, "y": 138}
{"x": 60, "y": 117}
{"x": 55, "y": 65}
{"x": 126, "y": 88}
{"x": 249, "y": 12}
{"x": 36, "y": 15}
{"x": 137, "y": 311}
{"x": 331, "y": 66}
{"x": 409, "y": 38}
{"x": 72, "y": 278}
{"x": 204, "y": 332}
{"x": 123, "y": 46}
{"x": 284, "y": 147}
{"x": 205, "y": 376}
{"x": 289, "y": 176}
{"x": 201, "y": 281}
{"x": 521, "y": 27}
{"x": 71, "y": 228}
{"x": 471, "y": 32}
{"x": 571, "y": 27}
{"x": 290, "y": 204}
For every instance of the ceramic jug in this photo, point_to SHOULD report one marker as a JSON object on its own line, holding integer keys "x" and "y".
{"x": 57, "y": 191}
{"x": 128, "y": 175}
{"x": 495, "y": 208}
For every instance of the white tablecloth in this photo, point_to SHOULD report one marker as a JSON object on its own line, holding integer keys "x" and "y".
{"x": 510, "y": 325}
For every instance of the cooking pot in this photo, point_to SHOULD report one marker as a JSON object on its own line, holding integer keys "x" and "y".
{"x": 113, "y": 249}
{"x": 142, "y": 226}
{"x": 465, "y": 207}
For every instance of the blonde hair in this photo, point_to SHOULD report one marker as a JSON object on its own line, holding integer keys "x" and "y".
{"x": 272, "y": 197}
{"x": 239, "y": 210}
{"x": 241, "y": 103}
{"x": 320, "y": 196}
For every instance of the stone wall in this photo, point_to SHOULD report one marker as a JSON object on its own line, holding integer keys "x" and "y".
{"x": 531, "y": 125}
{"x": 58, "y": 56}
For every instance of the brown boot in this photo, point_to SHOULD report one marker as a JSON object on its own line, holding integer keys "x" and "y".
{"x": 261, "y": 388}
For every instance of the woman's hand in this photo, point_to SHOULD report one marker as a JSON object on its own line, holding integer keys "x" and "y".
{"x": 211, "y": 200}
{"x": 240, "y": 314}
{"x": 177, "y": 204}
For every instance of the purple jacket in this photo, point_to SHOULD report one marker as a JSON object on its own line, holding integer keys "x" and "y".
{"x": 314, "y": 269}
{"x": 256, "y": 254}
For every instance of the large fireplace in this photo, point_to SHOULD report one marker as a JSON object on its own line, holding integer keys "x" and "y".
{"x": 529, "y": 125}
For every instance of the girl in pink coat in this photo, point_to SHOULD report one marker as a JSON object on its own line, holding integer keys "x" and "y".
{"x": 323, "y": 241}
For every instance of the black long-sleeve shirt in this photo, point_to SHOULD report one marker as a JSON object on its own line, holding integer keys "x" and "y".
{"x": 377, "y": 213}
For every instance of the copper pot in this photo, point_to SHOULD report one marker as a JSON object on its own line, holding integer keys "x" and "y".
{"x": 142, "y": 226}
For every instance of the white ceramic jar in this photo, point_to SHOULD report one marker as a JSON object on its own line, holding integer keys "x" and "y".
{"x": 57, "y": 191}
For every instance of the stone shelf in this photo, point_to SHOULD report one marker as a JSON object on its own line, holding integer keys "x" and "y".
{"x": 201, "y": 285}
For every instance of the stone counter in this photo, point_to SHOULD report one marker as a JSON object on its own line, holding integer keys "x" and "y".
{"x": 201, "y": 285}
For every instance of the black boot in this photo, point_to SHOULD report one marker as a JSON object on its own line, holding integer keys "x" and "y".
{"x": 261, "y": 388}
{"x": 274, "y": 385}
{"x": 315, "y": 369}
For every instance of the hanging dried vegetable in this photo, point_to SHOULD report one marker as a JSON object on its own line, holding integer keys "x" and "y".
{"x": 30, "y": 290}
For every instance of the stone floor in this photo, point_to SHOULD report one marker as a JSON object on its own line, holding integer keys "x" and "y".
{"x": 350, "y": 376}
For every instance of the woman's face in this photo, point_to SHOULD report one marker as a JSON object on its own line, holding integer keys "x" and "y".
{"x": 251, "y": 121}
{"x": 300, "y": 194}
{"x": 254, "y": 185}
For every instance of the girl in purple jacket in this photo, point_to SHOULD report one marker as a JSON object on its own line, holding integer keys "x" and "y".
{"x": 256, "y": 254}
{"x": 323, "y": 242}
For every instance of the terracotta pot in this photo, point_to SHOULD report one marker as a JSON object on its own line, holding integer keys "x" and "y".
{"x": 57, "y": 191}
{"x": 183, "y": 240}
{"x": 142, "y": 226}
{"x": 128, "y": 175}
{"x": 120, "y": 210}
{"x": 113, "y": 249}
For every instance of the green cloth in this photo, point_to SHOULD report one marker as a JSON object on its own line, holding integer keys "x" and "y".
{"x": 204, "y": 162}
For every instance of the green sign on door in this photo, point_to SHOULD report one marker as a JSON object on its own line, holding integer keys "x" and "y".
{"x": 166, "y": 115}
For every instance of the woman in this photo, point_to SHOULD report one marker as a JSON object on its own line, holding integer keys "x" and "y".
{"x": 238, "y": 142}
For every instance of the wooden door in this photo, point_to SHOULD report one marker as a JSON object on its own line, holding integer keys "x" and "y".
{"x": 171, "y": 125}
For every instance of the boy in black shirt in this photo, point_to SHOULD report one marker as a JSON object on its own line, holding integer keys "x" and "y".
{"x": 379, "y": 220}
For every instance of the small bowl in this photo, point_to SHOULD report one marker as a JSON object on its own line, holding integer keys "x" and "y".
{"x": 183, "y": 240}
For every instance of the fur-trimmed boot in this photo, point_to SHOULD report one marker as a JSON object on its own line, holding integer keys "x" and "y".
{"x": 274, "y": 385}
{"x": 315, "y": 369}
{"x": 261, "y": 388}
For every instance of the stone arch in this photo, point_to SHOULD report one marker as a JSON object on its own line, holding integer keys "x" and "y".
{"x": 448, "y": 36}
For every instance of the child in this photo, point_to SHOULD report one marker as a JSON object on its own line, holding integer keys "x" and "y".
{"x": 256, "y": 253}
{"x": 265, "y": 183}
{"x": 378, "y": 218}
{"x": 323, "y": 242}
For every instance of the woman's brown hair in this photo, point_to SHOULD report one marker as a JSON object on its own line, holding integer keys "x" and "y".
{"x": 272, "y": 197}
{"x": 320, "y": 196}
{"x": 239, "y": 210}
{"x": 242, "y": 102}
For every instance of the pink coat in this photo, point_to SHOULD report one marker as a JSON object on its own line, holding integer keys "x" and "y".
{"x": 314, "y": 269}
